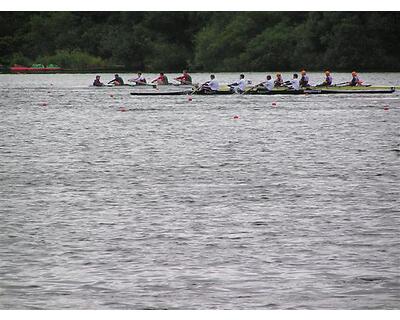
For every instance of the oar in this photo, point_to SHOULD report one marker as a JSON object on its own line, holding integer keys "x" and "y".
{"x": 147, "y": 84}
{"x": 197, "y": 88}
{"x": 251, "y": 88}
{"x": 142, "y": 84}
{"x": 231, "y": 87}
{"x": 340, "y": 84}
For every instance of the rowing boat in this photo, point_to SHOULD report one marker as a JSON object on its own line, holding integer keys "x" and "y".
{"x": 309, "y": 90}
{"x": 111, "y": 85}
{"x": 325, "y": 90}
{"x": 161, "y": 93}
{"x": 125, "y": 85}
{"x": 164, "y": 86}
{"x": 276, "y": 91}
{"x": 363, "y": 89}
{"x": 36, "y": 68}
{"x": 149, "y": 86}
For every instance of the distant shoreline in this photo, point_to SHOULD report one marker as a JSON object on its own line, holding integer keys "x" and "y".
{"x": 115, "y": 70}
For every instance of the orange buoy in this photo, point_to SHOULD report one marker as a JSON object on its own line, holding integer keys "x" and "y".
{"x": 122, "y": 109}
{"x": 274, "y": 104}
{"x": 236, "y": 117}
{"x": 386, "y": 108}
{"x": 190, "y": 98}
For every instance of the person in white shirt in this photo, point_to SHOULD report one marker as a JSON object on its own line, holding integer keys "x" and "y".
{"x": 295, "y": 83}
{"x": 269, "y": 83}
{"x": 239, "y": 85}
{"x": 210, "y": 86}
{"x": 140, "y": 79}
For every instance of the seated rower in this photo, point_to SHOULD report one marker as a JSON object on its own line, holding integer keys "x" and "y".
{"x": 97, "y": 82}
{"x": 328, "y": 79}
{"x": 161, "y": 79}
{"x": 239, "y": 85}
{"x": 139, "y": 80}
{"x": 278, "y": 81}
{"x": 185, "y": 78}
{"x": 295, "y": 83}
{"x": 210, "y": 86}
{"x": 355, "y": 81}
{"x": 267, "y": 85}
{"x": 118, "y": 81}
{"x": 304, "y": 79}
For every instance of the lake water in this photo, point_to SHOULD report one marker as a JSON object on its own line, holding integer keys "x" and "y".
{"x": 178, "y": 204}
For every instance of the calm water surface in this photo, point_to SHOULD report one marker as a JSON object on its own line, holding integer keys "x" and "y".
{"x": 175, "y": 204}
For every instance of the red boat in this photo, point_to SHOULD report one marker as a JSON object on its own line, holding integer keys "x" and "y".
{"x": 36, "y": 68}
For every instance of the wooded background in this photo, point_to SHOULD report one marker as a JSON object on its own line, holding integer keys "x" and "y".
{"x": 203, "y": 41}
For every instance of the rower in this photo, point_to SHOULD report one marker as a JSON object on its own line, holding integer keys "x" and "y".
{"x": 328, "y": 79}
{"x": 304, "y": 79}
{"x": 278, "y": 81}
{"x": 211, "y": 86}
{"x": 97, "y": 82}
{"x": 239, "y": 85}
{"x": 118, "y": 81}
{"x": 139, "y": 80}
{"x": 267, "y": 85}
{"x": 355, "y": 81}
{"x": 185, "y": 78}
{"x": 161, "y": 80}
{"x": 295, "y": 83}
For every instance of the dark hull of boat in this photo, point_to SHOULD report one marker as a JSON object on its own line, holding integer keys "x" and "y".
{"x": 172, "y": 93}
{"x": 273, "y": 92}
{"x": 321, "y": 91}
{"x": 357, "y": 91}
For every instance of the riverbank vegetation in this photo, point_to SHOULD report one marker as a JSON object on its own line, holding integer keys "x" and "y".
{"x": 203, "y": 41}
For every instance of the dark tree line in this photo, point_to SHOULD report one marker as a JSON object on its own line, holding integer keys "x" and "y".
{"x": 203, "y": 41}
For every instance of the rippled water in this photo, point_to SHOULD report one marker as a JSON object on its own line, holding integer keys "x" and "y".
{"x": 175, "y": 204}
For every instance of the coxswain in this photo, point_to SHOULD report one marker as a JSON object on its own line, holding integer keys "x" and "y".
{"x": 210, "y": 86}
{"x": 295, "y": 83}
{"x": 118, "y": 81}
{"x": 97, "y": 82}
{"x": 161, "y": 79}
{"x": 239, "y": 85}
{"x": 304, "y": 79}
{"x": 355, "y": 81}
{"x": 278, "y": 80}
{"x": 185, "y": 78}
{"x": 139, "y": 80}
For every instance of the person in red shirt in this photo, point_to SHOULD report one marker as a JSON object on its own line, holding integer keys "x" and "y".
{"x": 185, "y": 78}
{"x": 162, "y": 79}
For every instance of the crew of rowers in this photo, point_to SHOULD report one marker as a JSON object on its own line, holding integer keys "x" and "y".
{"x": 297, "y": 84}
{"x": 162, "y": 79}
{"x": 238, "y": 86}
